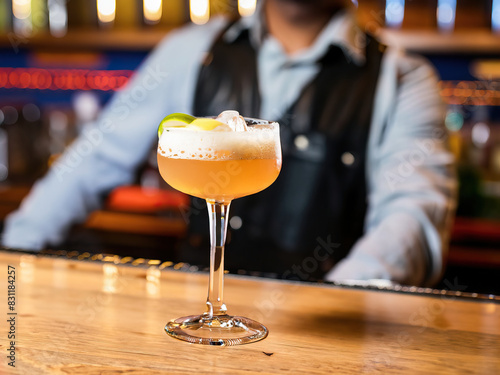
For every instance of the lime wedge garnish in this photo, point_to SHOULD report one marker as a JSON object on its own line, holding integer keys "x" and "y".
{"x": 175, "y": 120}
{"x": 205, "y": 124}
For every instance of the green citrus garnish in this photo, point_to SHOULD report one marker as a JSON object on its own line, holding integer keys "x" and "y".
{"x": 175, "y": 120}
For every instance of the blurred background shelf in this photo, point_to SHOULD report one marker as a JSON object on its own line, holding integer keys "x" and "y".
{"x": 473, "y": 41}
{"x": 90, "y": 39}
{"x": 149, "y": 230}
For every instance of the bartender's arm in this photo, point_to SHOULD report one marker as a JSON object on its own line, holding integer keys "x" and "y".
{"x": 411, "y": 181}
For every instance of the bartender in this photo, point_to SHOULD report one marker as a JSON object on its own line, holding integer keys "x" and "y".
{"x": 367, "y": 189}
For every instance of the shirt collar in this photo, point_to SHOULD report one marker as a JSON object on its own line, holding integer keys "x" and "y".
{"x": 340, "y": 31}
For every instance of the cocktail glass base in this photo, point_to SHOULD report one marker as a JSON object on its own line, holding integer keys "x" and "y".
{"x": 219, "y": 330}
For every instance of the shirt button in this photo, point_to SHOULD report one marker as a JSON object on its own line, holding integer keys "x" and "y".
{"x": 301, "y": 142}
{"x": 347, "y": 158}
{"x": 235, "y": 222}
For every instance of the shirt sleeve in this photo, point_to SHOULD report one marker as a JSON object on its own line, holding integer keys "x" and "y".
{"x": 107, "y": 153}
{"x": 411, "y": 181}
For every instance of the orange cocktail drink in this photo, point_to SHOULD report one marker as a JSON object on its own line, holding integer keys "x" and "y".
{"x": 220, "y": 166}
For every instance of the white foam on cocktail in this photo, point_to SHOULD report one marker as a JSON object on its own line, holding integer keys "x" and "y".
{"x": 256, "y": 143}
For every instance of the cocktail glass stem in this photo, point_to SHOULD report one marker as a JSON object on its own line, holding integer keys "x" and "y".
{"x": 218, "y": 213}
{"x": 215, "y": 326}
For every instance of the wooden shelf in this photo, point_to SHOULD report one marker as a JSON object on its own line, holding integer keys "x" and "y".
{"x": 89, "y": 39}
{"x": 422, "y": 41}
{"x": 433, "y": 41}
{"x": 474, "y": 257}
{"x": 476, "y": 229}
{"x": 136, "y": 223}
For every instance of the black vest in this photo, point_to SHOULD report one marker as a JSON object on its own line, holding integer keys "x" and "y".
{"x": 314, "y": 212}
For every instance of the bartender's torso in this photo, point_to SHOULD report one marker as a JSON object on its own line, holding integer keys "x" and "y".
{"x": 313, "y": 214}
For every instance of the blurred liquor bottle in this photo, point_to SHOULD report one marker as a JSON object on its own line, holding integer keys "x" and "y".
{"x": 81, "y": 15}
{"x": 128, "y": 14}
{"x": 420, "y": 14}
{"x": 478, "y": 164}
{"x": 174, "y": 13}
{"x": 471, "y": 14}
{"x": 23, "y": 142}
{"x": 5, "y": 16}
{"x": 28, "y": 17}
{"x": 4, "y": 155}
{"x": 39, "y": 15}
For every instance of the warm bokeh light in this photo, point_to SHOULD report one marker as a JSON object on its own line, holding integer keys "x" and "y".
{"x": 110, "y": 276}
{"x": 22, "y": 20}
{"x": 106, "y": 10}
{"x": 199, "y": 11}
{"x": 246, "y": 7}
{"x": 58, "y": 17}
{"x": 475, "y": 93}
{"x": 480, "y": 134}
{"x": 27, "y": 268}
{"x": 495, "y": 15}
{"x": 394, "y": 12}
{"x": 21, "y": 9}
{"x": 153, "y": 275}
{"x": 446, "y": 11}
{"x": 152, "y": 10}
{"x": 63, "y": 79}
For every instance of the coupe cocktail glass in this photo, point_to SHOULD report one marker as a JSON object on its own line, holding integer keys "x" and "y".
{"x": 219, "y": 166}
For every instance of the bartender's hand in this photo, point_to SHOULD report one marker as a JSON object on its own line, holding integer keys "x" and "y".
{"x": 411, "y": 183}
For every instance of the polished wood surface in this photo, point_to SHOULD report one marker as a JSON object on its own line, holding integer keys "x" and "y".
{"x": 84, "y": 317}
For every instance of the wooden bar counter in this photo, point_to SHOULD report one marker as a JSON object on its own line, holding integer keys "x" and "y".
{"x": 83, "y": 314}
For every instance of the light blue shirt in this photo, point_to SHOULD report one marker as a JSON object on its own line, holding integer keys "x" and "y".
{"x": 410, "y": 175}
